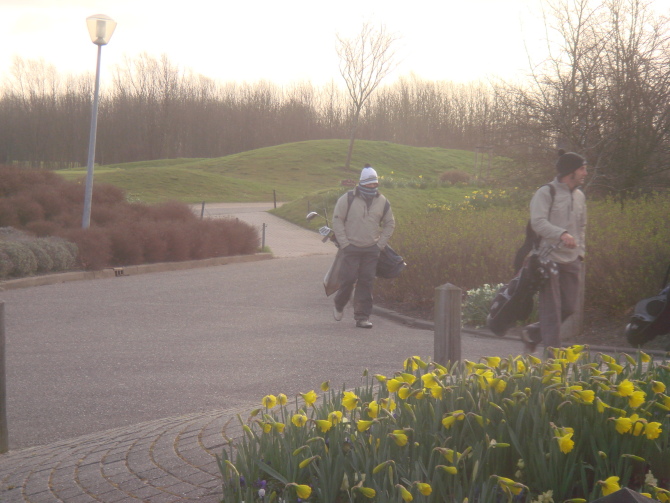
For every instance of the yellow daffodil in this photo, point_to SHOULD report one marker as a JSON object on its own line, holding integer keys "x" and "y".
{"x": 309, "y": 397}
{"x": 267, "y": 427}
{"x": 450, "y": 419}
{"x": 492, "y": 361}
{"x": 565, "y": 443}
{"x": 324, "y": 425}
{"x": 279, "y": 427}
{"x": 269, "y": 401}
{"x": 380, "y": 377}
{"x": 399, "y": 437}
{"x": 393, "y": 385}
{"x": 586, "y": 396}
{"x": 373, "y": 409}
{"x": 307, "y": 461}
{"x": 652, "y": 430}
{"x": 303, "y": 491}
{"x": 636, "y": 399}
{"x": 368, "y": 492}
{"x": 325, "y": 386}
{"x": 623, "y": 424}
{"x": 408, "y": 378}
{"x": 413, "y": 363}
{"x": 350, "y": 400}
{"x": 498, "y": 384}
{"x": 520, "y": 366}
{"x": 609, "y": 485}
{"x": 534, "y": 360}
{"x": 282, "y": 399}
{"x": 451, "y": 470}
{"x": 657, "y": 387}
{"x": 638, "y": 424}
{"x": 404, "y": 392}
{"x": 447, "y": 453}
{"x": 404, "y": 493}
{"x": 437, "y": 392}
{"x": 388, "y": 404}
{"x": 299, "y": 420}
{"x": 572, "y": 354}
{"x": 335, "y": 417}
{"x": 424, "y": 488}
{"x": 625, "y": 388}
{"x": 509, "y": 485}
{"x": 645, "y": 357}
{"x": 363, "y": 425}
{"x": 429, "y": 380}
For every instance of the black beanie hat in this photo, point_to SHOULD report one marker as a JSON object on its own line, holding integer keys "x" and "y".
{"x": 568, "y": 162}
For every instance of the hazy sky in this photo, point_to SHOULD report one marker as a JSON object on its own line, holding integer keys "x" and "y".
{"x": 282, "y": 41}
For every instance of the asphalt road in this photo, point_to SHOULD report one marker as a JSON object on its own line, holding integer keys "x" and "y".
{"x": 87, "y": 356}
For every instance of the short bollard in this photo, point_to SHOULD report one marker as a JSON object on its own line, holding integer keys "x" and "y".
{"x": 447, "y": 347}
{"x": 4, "y": 437}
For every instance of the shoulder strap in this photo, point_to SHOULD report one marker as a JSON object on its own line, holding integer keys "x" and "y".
{"x": 350, "y": 199}
{"x": 531, "y": 236}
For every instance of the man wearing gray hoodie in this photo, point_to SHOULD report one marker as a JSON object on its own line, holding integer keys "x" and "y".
{"x": 558, "y": 216}
{"x": 363, "y": 227}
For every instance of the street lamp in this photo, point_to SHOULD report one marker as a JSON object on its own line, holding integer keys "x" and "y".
{"x": 100, "y": 28}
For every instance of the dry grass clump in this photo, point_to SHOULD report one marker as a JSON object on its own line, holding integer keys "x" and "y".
{"x": 41, "y": 204}
{"x": 455, "y": 177}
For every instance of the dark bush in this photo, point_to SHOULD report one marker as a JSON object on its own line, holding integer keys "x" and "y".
{"x": 95, "y": 250}
{"x": 120, "y": 233}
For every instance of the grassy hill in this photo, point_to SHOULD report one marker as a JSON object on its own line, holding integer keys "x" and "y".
{"x": 292, "y": 170}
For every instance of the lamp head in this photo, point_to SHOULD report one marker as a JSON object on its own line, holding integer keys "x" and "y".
{"x": 100, "y": 28}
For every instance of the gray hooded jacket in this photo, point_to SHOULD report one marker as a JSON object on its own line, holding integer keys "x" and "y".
{"x": 568, "y": 213}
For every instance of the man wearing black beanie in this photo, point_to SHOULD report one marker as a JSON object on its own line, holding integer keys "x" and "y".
{"x": 558, "y": 217}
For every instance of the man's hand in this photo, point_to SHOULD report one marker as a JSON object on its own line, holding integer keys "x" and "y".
{"x": 568, "y": 240}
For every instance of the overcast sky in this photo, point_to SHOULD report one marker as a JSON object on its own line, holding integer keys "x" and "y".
{"x": 284, "y": 42}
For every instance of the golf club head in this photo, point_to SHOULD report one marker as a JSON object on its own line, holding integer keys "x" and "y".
{"x": 311, "y": 215}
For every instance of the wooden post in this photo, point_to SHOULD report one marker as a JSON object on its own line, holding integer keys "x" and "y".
{"x": 263, "y": 239}
{"x": 274, "y": 196}
{"x": 202, "y": 211}
{"x": 4, "y": 437}
{"x": 447, "y": 347}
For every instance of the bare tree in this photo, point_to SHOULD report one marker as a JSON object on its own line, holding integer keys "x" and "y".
{"x": 364, "y": 62}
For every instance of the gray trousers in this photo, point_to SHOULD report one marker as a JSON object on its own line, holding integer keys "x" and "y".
{"x": 359, "y": 266}
{"x": 558, "y": 300}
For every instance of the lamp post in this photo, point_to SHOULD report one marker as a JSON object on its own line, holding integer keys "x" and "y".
{"x": 100, "y": 28}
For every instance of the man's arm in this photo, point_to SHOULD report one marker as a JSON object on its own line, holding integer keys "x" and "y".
{"x": 339, "y": 214}
{"x": 540, "y": 205}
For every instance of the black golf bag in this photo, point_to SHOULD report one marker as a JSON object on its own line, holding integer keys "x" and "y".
{"x": 514, "y": 301}
{"x": 651, "y": 317}
{"x": 390, "y": 264}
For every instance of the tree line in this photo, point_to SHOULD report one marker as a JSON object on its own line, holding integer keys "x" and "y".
{"x": 603, "y": 90}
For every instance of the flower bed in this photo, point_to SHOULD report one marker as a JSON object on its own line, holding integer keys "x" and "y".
{"x": 573, "y": 427}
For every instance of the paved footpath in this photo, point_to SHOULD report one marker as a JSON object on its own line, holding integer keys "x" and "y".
{"x": 115, "y": 385}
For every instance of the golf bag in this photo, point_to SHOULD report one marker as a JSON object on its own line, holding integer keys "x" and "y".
{"x": 651, "y": 317}
{"x": 514, "y": 301}
{"x": 390, "y": 264}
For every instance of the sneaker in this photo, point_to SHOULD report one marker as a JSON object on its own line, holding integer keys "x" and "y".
{"x": 530, "y": 340}
{"x": 337, "y": 314}
{"x": 363, "y": 323}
